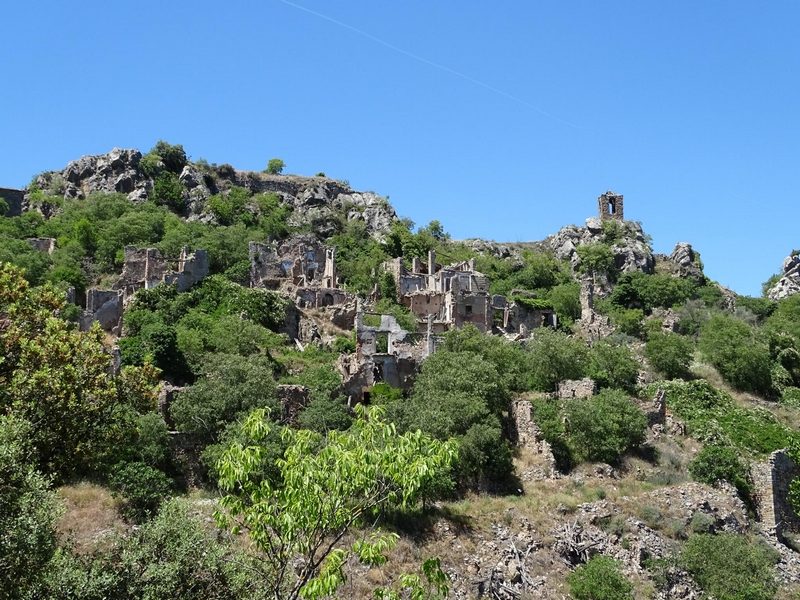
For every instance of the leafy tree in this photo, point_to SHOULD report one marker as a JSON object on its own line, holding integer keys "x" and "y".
{"x": 566, "y": 301}
{"x": 57, "y": 379}
{"x": 669, "y": 354}
{"x": 600, "y": 579}
{"x": 232, "y": 387}
{"x": 328, "y": 485}
{"x": 171, "y": 158}
{"x": 730, "y": 566}
{"x": 553, "y": 358}
{"x": 738, "y": 353}
{"x": 168, "y": 191}
{"x": 29, "y": 514}
{"x": 275, "y": 166}
{"x": 613, "y": 365}
{"x": 596, "y": 258}
{"x": 459, "y": 395}
{"x": 171, "y": 556}
{"x": 510, "y": 359}
{"x": 715, "y": 463}
{"x": 142, "y": 487}
{"x": 604, "y": 427}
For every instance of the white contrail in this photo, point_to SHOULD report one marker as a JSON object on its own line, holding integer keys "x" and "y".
{"x": 429, "y": 62}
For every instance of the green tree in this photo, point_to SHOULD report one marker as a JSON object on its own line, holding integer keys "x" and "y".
{"x": 232, "y": 386}
{"x": 596, "y": 258}
{"x": 57, "y": 379}
{"x": 168, "y": 191}
{"x": 604, "y": 427}
{"x": 29, "y": 512}
{"x": 738, "y": 353}
{"x": 553, "y": 358}
{"x": 715, "y": 463}
{"x": 669, "y": 354}
{"x": 328, "y": 485}
{"x": 613, "y": 365}
{"x": 275, "y": 166}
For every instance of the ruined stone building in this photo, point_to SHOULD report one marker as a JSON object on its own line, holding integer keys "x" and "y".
{"x": 300, "y": 266}
{"x": 145, "y": 268}
{"x": 458, "y": 294}
{"x": 385, "y": 353}
{"x": 610, "y": 206}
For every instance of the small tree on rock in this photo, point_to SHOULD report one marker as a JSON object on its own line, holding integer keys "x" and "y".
{"x": 275, "y": 166}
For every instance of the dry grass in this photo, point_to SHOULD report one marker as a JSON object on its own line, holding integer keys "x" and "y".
{"x": 91, "y": 520}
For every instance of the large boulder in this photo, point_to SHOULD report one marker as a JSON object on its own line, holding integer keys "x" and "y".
{"x": 789, "y": 284}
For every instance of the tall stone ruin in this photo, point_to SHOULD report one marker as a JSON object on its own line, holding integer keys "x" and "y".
{"x": 610, "y": 206}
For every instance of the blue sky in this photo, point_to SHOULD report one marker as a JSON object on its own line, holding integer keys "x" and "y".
{"x": 503, "y": 120}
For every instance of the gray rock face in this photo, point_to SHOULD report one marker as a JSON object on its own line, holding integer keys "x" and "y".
{"x": 115, "y": 172}
{"x": 314, "y": 199}
{"x": 683, "y": 255}
{"x": 631, "y": 251}
{"x": 789, "y": 284}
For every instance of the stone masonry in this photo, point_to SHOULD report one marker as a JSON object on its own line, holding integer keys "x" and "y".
{"x": 610, "y": 206}
{"x": 772, "y": 480}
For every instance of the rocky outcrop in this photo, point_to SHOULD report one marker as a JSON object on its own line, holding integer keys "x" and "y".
{"x": 631, "y": 249}
{"x": 789, "y": 284}
{"x": 316, "y": 200}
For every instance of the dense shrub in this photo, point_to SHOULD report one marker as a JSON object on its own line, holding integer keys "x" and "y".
{"x": 459, "y": 395}
{"x": 597, "y": 258}
{"x": 553, "y": 358}
{"x": 232, "y": 387}
{"x": 510, "y": 359}
{"x": 646, "y": 292}
{"x": 712, "y": 416}
{"x": 669, "y": 354}
{"x": 730, "y": 566}
{"x": 613, "y": 365}
{"x": 714, "y": 463}
{"x": 738, "y": 353}
{"x": 600, "y": 579}
{"x": 168, "y": 191}
{"x": 143, "y": 488}
{"x": 604, "y": 427}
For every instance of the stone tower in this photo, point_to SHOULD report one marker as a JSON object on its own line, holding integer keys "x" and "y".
{"x": 610, "y": 206}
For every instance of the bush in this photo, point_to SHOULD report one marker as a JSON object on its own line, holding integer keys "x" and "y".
{"x": 738, "y": 353}
{"x": 597, "y": 258}
{"x": 715, "y": 463}
{"x": 143, "y": 489}
{"x": 712, "y": 417}
{"x": 275, "y": 166}
{"x": 669, "y": 354}
{"x": 604, "y": 427}
{"x": 730, "y": 566}
{"x": 168, "y": 191}
{"x": 600, "y": 579}
{"x": 613, "y": 366}
{"x": 553, "y": 358}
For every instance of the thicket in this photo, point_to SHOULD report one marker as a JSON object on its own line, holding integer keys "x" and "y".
{"x": 600, "y": 579}
{"x": 600, "y": 428}
{"x": 712, "y": 416}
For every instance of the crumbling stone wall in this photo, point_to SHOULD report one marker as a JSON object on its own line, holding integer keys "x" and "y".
{"x": 576, "y": 388}
{"x": 14, "y": 199}
{"x": 105, "y": 307}
{"x": 145, "y": 268}
{"x": 610, "y": 206}
{"x": 293, "y": 399}
{"x": 772, "y": 480}
{"x": 301, "y": 261}
{"x": 42, "y": 244}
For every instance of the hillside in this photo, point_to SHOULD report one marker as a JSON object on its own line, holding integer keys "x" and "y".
{"x": 175, "y": 332}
